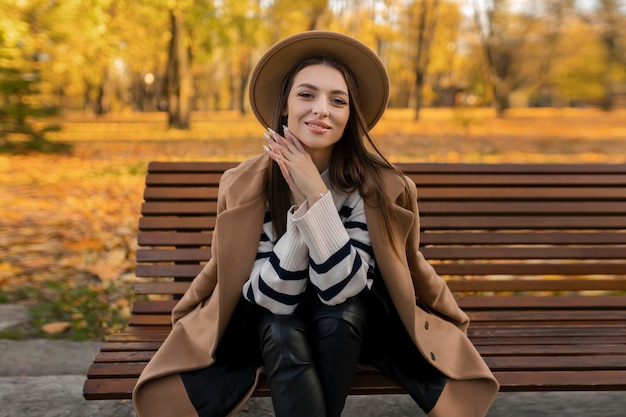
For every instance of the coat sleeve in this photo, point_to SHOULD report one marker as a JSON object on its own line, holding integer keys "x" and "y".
{"x": 430, "y": 288}
{"x": 204, "y": 283}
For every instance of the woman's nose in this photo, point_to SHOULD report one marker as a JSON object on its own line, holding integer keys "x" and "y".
{"x": 320, "y": 108}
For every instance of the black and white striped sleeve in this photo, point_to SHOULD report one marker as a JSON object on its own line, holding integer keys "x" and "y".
{"x": 280, "y": 273}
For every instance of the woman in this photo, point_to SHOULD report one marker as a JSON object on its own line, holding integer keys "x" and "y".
{"x": 316, "y": 262}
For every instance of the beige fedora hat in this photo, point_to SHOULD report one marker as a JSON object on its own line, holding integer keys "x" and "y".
{"x": 368, "y": 69}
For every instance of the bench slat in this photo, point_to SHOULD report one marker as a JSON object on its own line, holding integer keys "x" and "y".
{"x": 512, "y": 179}
{"x": 190, "y": 166}
{"x": 526, "y": 237}
{"x": 130, "y": 346}
{"x": 513, "y": 285}
{"x": 161, "y": 287}
{"x": 521, "y": 207}
{"x": 456, "y": 285}
{"x": 522, "y": 222}
{"x": 577, "y": 351}
{"x": 527, "y": 253}
{"x": 149, "y": 320}
{"x": 177, "y": 223}
{"x": 599, "y": 331}
{"x": 540, "y": 316}
{"x": 156, "y": 255}
{"x": 121, "y": 388}
{"x": 468, "y": 269}
{"x": 496, "y": 363}
{"x": 543, "y": 193}
{"x": 154, "y": 306}
{"x": 562, "y": 381}
{"x": 481, "y": 303}
{"x": 180, "y": 193}
{"x": 196, "y": 178}
{"x": 549, "y": 340}
{"x": 188, "y": 207}
{"x": 516, "y": 302}
{"x": 487, "y": 253}
{"x": 174, "y": 239}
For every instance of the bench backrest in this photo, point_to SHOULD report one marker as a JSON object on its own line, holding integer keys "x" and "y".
{"x": 486, "y": 228}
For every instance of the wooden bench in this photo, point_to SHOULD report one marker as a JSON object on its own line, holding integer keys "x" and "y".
{"x": 535, "y": 253}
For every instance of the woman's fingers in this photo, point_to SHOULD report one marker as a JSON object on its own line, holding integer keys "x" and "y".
{"x": 296, "y": 193}
{"x": 289, "y": 145}
{"x": 273, "y": 147}
{"x": 295, "y": 163}
{"x": 296, "y": 142}
{"x": 278, "y": 151}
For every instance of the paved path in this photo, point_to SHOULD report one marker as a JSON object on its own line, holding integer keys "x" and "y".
{"x": 44, "y": 378}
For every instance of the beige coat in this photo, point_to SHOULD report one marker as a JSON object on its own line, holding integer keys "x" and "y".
{"x": 203, "y": 313}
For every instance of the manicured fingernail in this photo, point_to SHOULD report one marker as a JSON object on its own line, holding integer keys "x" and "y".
{"x": 267, "y": 149}
{"x": 273, "y": 133}
{"x": 266, "y": 136}
{"x": 285, "y": 128}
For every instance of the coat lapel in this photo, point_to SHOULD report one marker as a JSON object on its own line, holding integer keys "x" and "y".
{"x": 237, "y": 248}
{"x": 237, "y": 233}
{"x": 393, "y": 266}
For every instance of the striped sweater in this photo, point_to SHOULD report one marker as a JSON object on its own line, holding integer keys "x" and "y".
{"x": 326, "y": 245}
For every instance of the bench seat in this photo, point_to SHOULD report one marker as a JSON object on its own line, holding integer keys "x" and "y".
{"x": 535, "y": 254}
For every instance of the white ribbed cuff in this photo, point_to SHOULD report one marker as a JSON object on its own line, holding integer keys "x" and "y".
{"x": 291, "y": 248}
{"x": 322, "y": 229}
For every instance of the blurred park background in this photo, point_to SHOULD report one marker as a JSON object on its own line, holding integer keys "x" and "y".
{"x": 92, "y": 90}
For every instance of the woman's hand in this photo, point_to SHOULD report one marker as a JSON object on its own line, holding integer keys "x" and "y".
{"x": 296, "y": 165}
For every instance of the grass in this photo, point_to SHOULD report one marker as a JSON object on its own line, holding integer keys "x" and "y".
{"x": 68, "y": 222}
{"x": 73, "y": 310}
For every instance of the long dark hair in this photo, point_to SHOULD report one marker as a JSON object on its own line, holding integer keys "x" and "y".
{"x": 352, "y": 165}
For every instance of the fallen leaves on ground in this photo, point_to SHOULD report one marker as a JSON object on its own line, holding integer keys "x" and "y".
{"x": 56, "y": 327}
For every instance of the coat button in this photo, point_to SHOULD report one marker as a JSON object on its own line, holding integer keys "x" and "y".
{"x": 432, "y": 356}
{"x": 426, "y": 324}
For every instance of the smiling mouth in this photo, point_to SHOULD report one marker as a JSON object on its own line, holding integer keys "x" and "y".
{"x": 314, "y": 125}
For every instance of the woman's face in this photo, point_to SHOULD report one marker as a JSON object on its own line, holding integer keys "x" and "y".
{"x": 318, "y": 107}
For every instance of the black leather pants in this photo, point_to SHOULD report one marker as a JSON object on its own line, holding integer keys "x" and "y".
{"x": 310, "y": 357}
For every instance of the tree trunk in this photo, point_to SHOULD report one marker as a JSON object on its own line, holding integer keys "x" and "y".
{"x": 242, "y": 92}
{"x": 102, "y": 104}
{"x": 178, "y": 77}
{"x": 611, "y": 40}
{"x": 426, "y": 30}
{"x": 502, "y": 100}
{"x": 498, "y": 57}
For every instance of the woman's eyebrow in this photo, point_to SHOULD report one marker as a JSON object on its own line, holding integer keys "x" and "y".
{"x": 313, "y": 87}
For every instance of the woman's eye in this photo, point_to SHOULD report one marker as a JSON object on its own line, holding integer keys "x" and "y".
{"x": 339, "y": 101}
{"x": 305, "y": 94}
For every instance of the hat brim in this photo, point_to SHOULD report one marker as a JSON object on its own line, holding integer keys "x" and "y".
{"x": 368, "y": 69}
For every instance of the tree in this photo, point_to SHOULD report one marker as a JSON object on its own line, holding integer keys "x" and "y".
{"x": 447, "y": 74}
{"x": 246, "y": 32}
{"x": 97, "y": 49}
{"x": 427, "y": 11}
{"x": 21, "y": 128}
{"x": 557, "y": 13}
{"x": 22, "y": 107}
{"x": 611, "y": 23}
{"x": 178, "y": 75}
{"x": 502, "y": 40}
